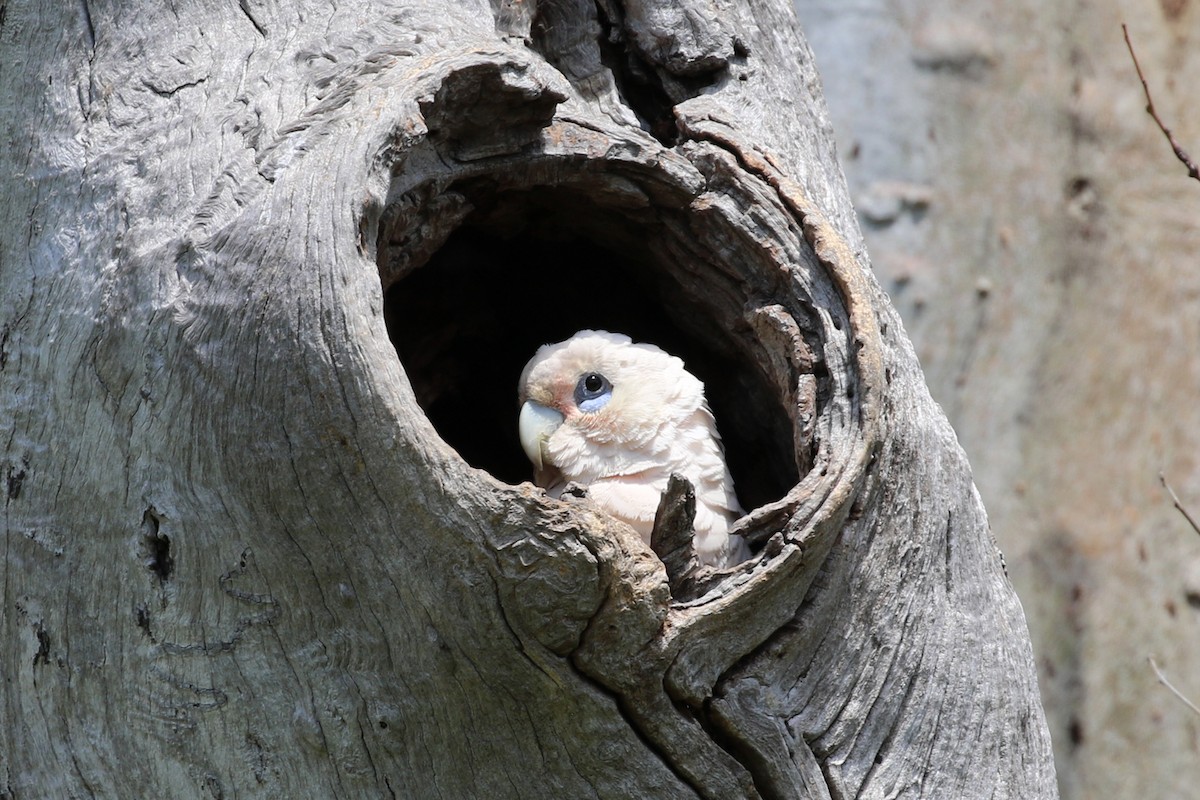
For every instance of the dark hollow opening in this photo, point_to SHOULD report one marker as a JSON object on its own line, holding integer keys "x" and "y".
{"x": 465, "y": 323}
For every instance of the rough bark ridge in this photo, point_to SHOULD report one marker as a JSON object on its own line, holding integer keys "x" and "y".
{"x": 240, "y": 560}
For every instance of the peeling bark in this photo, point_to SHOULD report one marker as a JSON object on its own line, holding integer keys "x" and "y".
{"x": 254, "y": 552}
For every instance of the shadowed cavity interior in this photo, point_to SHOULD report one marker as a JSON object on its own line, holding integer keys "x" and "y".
{"x": 465, "y": 323}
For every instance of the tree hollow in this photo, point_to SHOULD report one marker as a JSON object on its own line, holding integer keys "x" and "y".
{"x": 534, "y": 249}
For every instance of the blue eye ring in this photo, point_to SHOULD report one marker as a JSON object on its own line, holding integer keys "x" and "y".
{"x": 592, "y": 391}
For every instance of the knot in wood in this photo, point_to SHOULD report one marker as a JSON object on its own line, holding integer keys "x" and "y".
{"x": 487, "y": 106}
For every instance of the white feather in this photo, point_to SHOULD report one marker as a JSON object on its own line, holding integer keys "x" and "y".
{"x": 656, "y": 423}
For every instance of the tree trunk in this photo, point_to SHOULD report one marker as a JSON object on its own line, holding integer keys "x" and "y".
{"x": 1039, "y": 238}
{"x": 250, "y": 551}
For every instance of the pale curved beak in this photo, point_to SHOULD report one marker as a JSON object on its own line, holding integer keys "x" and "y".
{"x": 535, "y": 426}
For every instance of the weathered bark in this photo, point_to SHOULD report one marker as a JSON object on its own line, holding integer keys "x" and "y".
{"x": 243, "y": 556}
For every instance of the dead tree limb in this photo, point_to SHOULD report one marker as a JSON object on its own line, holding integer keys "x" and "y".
{"x": 1180, "y": 153}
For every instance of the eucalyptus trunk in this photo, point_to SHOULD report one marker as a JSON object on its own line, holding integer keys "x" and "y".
{"x": 267, "y": 278}
{"x": 1039, "y": 238}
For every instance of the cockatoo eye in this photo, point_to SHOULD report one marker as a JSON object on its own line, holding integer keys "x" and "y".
{"x": 592, "y": 391}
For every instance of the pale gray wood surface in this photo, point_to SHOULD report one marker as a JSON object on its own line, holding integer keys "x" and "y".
{"x": 1038, "y": 237}
{"x": 242, "y": 561}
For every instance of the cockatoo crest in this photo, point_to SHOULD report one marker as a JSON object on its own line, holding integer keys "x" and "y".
{"x": 619, "y": 418}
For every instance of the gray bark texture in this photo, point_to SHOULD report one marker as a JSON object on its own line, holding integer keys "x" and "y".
{"x": 267, "y": 278}
{"x": 1040, "y": 240}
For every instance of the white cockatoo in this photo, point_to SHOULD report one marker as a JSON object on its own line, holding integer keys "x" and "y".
{"x": 619, "y": 418}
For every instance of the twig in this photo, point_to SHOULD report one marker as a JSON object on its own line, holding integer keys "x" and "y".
{"x": 1178, "y": 504}
{"x": 1193, "y": 170}
{"x": 1163, "y": 680}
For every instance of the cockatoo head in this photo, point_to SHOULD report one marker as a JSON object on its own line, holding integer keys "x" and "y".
{"x": 592, "y": 406}
{"x": 620, "y": 418}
